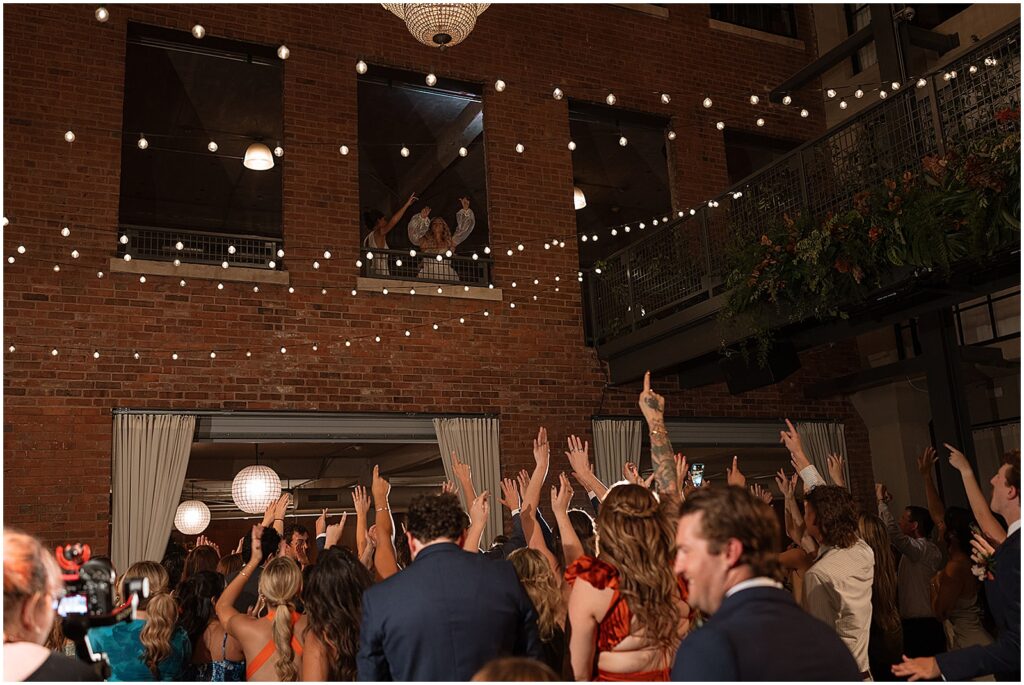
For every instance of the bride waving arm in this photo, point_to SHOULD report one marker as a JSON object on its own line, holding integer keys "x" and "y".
{"x": 466, "y": 221}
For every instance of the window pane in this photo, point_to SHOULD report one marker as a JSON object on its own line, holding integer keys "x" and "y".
{"x": 976, "y": 325}
{"x": 1007, "y": 311}
{"x": 771, "y": 18}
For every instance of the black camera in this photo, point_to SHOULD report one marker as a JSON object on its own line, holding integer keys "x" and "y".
{"x": 90, "y": 601}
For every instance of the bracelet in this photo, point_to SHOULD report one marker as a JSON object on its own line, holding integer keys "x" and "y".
{"x": 279, "y": 519}
{"x": 657, "y": 432}
{"x": 243, "y": 573}
{"x": 383, "y": 508}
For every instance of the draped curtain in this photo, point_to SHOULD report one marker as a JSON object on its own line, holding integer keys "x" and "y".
{"x": 150, "y": 455}
{"x": 475, "y": 441}
{"x": 821, "y": 438}
{"x": 615, "y": 443}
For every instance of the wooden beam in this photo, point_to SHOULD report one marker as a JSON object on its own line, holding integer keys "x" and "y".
{"x": 462, "y": 131}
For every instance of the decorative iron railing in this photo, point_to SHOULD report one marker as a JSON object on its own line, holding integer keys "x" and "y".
{"x": 684, "y": 263}
{"x": 200, "y": 247}
{"x": 414, "y": 265}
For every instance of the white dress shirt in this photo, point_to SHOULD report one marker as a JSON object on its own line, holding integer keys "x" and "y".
{"x": 760, "y": 581}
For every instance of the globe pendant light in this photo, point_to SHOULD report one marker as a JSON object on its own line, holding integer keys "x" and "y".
{"x": 258, "y": 157}
{"x": 255, "y": 488}
{"x": 192, "y": 517}
{"x": 438, "y": 24}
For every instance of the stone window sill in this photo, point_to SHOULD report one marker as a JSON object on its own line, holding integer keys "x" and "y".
{"x": 452, "y": 290}
{"x": 726, "y": 27}
{"x": 149, "y": 267}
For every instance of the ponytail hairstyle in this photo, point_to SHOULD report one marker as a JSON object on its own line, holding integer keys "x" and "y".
{"x": 280, "y": 584}
{"x": 635, "y": 536}
{"x": 161, "y": 613}
{"x": 543, "y": 588}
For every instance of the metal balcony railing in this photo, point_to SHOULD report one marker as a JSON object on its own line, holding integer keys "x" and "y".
{"x": 414, "y": 265}
{"x": 200, "y": 247}
{"x": 683, "y": 263}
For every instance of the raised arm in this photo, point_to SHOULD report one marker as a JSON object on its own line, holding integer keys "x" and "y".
{"x": 419, "y": 225}
{"x": 979, "y": 506}
{"x": 791, "y": 439}
{"x": 541, "y": 460}
{"x": 384, "y": 558}
{"x": 925, "y": 465}
{"x": 361, "y": 503}
{"x": 397, "y": 216}
{"x": 225, "y": 606}
{"x": 478, "y": 511}
{"x": 334, "y": 531}
{"x": 836, "y": 469}
{"x": 465, "y": 222}
{"x": 579, "y": 459}
{"x": 652, "y": 405}
{"x": 464, "y": 474}
{"x": 561, "y": 496}
{"x": 534, "y": 536}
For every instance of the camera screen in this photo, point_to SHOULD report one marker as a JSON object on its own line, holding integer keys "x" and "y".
{"x": 697, "y": 474}
{"x": 73, "y": 604}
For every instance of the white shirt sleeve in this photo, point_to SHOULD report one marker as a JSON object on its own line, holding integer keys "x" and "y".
{"x": 465, "y": 222}
{"x": 418, "y": 227}
{"x": 811, "y": 478}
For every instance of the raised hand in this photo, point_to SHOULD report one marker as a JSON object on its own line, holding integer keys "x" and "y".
{"x": 578, "y": 455}
{"x": 926, "y": 462}
{"x": 203, "y": 541}
{"x": 881, "y": 494}
{"x": 652, "y": 405}
{"x": 835, "y": 469}
{"x": 787, "y": 486}
{"x": 791, "y": 439}
{"x": 321, "y": 523}
{"x": 523, "y": 479}
{"x": 561, "y": 496}
{"x": 631, "y": 473}
{"x": 412, "y": 198}
{"x": 681, "y": 471}
{"x": 983, "y": 549}
{"x": 761, "y": 493}
{"x": 462, "y": 471}
{"x": 510, "y": 495}
{"x": 425, "y": 212}
{"x": 334, "y": 531}
{"x": 257, "y": 544}
{"x": 360, "y": 500}
{"x": 371, "y": 535}
{"x": 957, "y": 459}
{"x": 465, "y": 202}
{"x": 480, "y": 507}
{"x": 380, "y": 488}
{"x": 241, "y": 543}
{"x": 734, "y": 476}
{"x": 541, "y": 450}
{"x": 448, "y": 488}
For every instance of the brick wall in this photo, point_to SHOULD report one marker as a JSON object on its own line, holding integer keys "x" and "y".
{"x": 64, "y": 70}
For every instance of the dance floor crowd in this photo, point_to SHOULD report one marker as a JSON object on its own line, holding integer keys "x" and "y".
{"x": 658, "y": 579}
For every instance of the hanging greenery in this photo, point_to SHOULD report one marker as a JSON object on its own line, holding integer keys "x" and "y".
{"x": 964, "y": 205}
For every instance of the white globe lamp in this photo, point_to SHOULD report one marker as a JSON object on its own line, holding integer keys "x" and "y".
{"x": 192, "y": 517}
{"x": 255, "y": 488}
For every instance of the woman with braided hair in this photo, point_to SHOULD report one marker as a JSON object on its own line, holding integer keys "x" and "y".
{"x": 626, "y": 603}
{"x": 273, "y": 644}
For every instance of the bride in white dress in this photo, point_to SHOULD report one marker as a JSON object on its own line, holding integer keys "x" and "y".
{"x": 435, "y": 238}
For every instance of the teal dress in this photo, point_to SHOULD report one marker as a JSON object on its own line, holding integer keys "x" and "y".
{"x": 124, "y": 649}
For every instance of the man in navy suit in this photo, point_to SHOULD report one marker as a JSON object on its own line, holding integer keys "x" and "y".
{"x": 726, "y": 551}
{"x": 449, "y": 612}
{"x": 1002, "y": 592}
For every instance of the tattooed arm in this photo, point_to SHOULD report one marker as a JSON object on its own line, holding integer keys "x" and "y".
{"x": 662, "y": 457}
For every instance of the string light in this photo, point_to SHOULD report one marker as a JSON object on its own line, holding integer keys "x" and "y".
{"x": 344, "y": 150}
{"x": 124, "y": 241}
{"x": 177, "y": 262}
{"x": 572, "y": 145}
{"x": 102, "y": 14}
{"x": 499, "y": 85}
{"x": 671, "y": 135}
{"x": 136, "y": 356}
{"x": 404, "y": 151}
{"x": 882, "y": 95}
{"x": 69, "y": 136}
{"x": 284, "y": 350}
{"x": 182, "y": 283}
{"x": 279, "y": 151}
{"x": 198, "y": 31}
{"x": 611, "y": 99}
{"x": 54, "y": 352}
{"x": 921, "y": 83}
{"x": 212, "y": 146}
{"x": 760, "y": 122}
{"x": 231, "y": 249}
{"x": 622, "y": 141}
{"x": 99, "y": 274}
{"x": 283, "y": 52}
{"x": 858, "y": 93}
{"x": 754, "y": 99}
{"x": 804, "y": 113}
{"x": 280, "y": 254}
{"x": 831, "y": 93}
{"x": 557, "y": 94}
{"x": 842, "y": 104}
{"x": 786, "y": 100}
{"x": 520, "y": 148}
{"x": 177, "y": 246}
{"x": 431, "y": 80}
{"x": 463, "y": 152}
{"x": 127, "y": 258}
{"x": 361, "y": 67}
{"x": 174, "y": 356}
{"x": 720, "y": 125}
{"x": 74, "y": 254}
{"x": 143, "y": 143}
{"x": 65, "y": 231}
{"x": 665, "y": 98}
{"x": 56, "y": 267}
{"x": 973, "y": 69}
{"x": 707, "y": 103}
{"x": 895, "y": 85}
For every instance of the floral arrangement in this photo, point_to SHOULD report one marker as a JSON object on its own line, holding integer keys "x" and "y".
{"x": 963, "y": 205}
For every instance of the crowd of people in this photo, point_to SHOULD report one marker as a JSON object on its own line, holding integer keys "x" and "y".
{"x": 662, "y": 580}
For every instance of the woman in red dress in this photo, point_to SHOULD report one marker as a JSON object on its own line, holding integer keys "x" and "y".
{"x": 627, "y": 608}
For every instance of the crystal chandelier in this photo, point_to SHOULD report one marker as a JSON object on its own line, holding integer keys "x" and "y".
{"x": 438, "y": 24}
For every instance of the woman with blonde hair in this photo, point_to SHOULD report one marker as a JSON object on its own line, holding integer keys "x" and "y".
{"x": 32, "y": 586}
{"x": 545, "y": 591}
{"x": 885, "y": 643}
{"x": 627, "y": 604}
{"x": 273, "y": 644}
{"x": 151, "y": 647}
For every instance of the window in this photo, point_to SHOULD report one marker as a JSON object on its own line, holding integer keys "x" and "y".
{"x": 857, "y": 17}
{"x": 990, "y": 319}
{"x": 181, "y": 95}
{"x": 425, "y": 141}
{"x": 777, "y": 19}
{"x": 619, "y": 184}
{"x": 746, "y": 153}
{"x": 930, "y": 16}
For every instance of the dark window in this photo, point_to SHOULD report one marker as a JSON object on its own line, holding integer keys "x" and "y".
{"x": 857, "y": 17}
{"x": 777, "y": 19}
{"x": 182, "y": 94}
{"x": 930, "y": 16}
{"x": 746, "y": 153}
{"x": 620, "y": 184}
{"x": 436, "y": 124}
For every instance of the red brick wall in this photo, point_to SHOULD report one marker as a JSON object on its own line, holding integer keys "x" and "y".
{"x": 64, "y": 70}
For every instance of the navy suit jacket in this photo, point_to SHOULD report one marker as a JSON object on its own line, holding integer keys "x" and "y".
{"x": 445, "y": 616}
{"x": 1002, "y": 657}
{"x": 762, "y": 634}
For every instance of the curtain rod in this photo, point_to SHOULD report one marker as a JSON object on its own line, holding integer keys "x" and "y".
{"x": 123, "y": 411}
{"x": 711, "y": 419}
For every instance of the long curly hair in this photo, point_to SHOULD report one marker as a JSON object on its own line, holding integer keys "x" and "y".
{"x": 161, "y": 613}
{"x": 543, "y": 588}
{"x": 635, "y": 536}
{"x": 884, "y": 611}
{"x": 280, "y": 584}
{"x": 196, "y": 597}
{"x": 333, "y": 596}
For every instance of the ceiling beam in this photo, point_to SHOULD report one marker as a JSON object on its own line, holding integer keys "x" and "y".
{"x": 461, "y": 132}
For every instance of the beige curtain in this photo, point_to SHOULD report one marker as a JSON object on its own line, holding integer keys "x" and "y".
{"x": 475, "y": 441}
{"x": 821, "y": 438}
{"x": 615, "y": 443}
{"x": 150, "y": 458}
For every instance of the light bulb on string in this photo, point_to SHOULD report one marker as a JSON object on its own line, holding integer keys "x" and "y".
{"x": 177, "y": 246}
{"x": 431, "y": 80}
{"x": 344, "y": 150}
{"x": 54, "y": 352}
{"x": 463, "y": 152}
{"x": 858, "y": 93}
{"x": 882, "y": 95}
{"x": 211, "y": 146}
{"x": 143, "y": 143}
{"x": 283, "y": 52}
{"x": 65, "y": 231}
{"x": 127, "y": 258}
{"x": 279, "y": 151}
{"x": 136, "y": 356}
{"x": 231, "y": 249}
{"x": 754, "y": 99}
{"x": 707, "y": 103}
{"x": 787, "y": 100}
{"x": 499, "y": 85}
{"x": 102, "y": 14}
{"x": 557, "y": 94}
{"x": 271, "y": 264}
{"x": 611, "y": 99}
{"x": 804, "y": 113}
{"x": 720, "y": 125}
{"x": 361, "y": 67}
{"x": 74, "y": 254}
{"x": 831, "y": 93}
{"x": 572, "y": 145}
{"x": 921, "y": 83}
{"x": 520, "y": 148}
{"x": 69, "y": 137}
{"x": 665, "y": 98}
{"x": 895, "y": 85}
{"x": 759, "y": 122}
{"x": 623, "y": 141}
{"x": 404, "y": 151}
{"x": 280, "y": 254}
{"x": 973, "y": 69}
{"x": 198, "y": 31}
{"x": 671, "y": 135}
{"x": 843, "y": 104}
